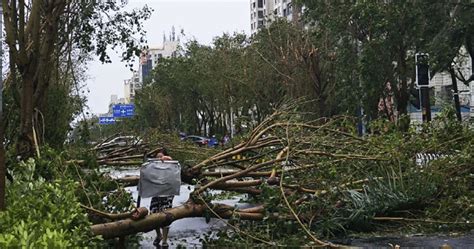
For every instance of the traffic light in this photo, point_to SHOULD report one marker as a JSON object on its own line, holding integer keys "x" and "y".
{"x": 422, "y": 70}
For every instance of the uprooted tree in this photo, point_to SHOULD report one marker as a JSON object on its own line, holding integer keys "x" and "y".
{"x": 322, "y": 179}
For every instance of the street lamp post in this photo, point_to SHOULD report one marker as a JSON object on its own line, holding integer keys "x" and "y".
{"x": 423, "y": 82}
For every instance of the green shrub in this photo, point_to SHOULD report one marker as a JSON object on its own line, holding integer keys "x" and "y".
{"x": 43, "y": 214}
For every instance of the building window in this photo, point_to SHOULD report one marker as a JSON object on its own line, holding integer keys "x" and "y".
{"x": 260, "y": 3}
{"x": 253, "y": 5}
{"x": 260, "y": 24}
{"x": 260, "y": 14}
{"x": 284, "y": 12}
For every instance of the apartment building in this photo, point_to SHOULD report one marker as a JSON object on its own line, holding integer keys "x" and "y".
{"x": 148, "y": 60}
{"x": 130, "y": 87}
{"x": 263, "y": 12}
{"x": 150, "y": 57}
{"x": 442, "y": 82}
{"x": 114, "y": 100}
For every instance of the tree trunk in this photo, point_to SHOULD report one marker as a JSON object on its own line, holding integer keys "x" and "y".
{"x": 322, "y": 105}
{"x": 3, "y": 168}
{"x": 25, "y": 140}
{"x": 31, "y": 48}
{"x": 153, "y": 221}
{"x": 456, "y": 94}
{"x": 402, "y": 100}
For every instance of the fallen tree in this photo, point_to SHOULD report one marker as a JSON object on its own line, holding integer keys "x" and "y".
{"x": 318, "y": 178}
{"x": 152, "y": 221}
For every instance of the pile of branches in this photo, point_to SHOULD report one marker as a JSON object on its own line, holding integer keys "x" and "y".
{"x": 318, "y": 178}
{"x": 133, "y": 152}
{"x": 126, "y": 154}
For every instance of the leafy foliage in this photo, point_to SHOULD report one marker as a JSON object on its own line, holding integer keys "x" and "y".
{"x": 242, "y": 77}
{"x": 337, "y": 184}
{"x": 44, "y": 201}
{"x": 48, "y": 43}
{"x": 43, "y": 214}
{"x": 383, "y": 39}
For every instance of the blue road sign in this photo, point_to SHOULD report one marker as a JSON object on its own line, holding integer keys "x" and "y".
{"x": 106, "y": 120}
{"x": 123, "y": 111}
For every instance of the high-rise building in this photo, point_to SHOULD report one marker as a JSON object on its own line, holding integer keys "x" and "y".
{"x": 263, "y": 12}
{"x": 130, "y": 87}
{"x": 149, "y": 58}
{"x": 114, "y": 100}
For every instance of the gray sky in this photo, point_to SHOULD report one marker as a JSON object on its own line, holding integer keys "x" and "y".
{"x": 199, "y": 19}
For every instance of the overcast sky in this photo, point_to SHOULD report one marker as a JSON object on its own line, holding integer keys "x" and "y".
{"x": 200, "y": 19}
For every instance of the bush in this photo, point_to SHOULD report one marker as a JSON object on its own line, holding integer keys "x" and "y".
{"x": 43, "y": 214}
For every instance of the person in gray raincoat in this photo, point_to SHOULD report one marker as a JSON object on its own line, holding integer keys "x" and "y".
{"x": 160, "y": 178}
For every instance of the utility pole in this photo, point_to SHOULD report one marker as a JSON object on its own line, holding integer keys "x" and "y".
{"x": 423, "y": 82}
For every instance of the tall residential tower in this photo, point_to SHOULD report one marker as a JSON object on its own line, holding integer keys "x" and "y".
{"x": 263, "y": 12}
{"x": 148, "y": 60}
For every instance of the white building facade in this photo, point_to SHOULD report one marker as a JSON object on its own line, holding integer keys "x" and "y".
{"x": 263, "y": 12}
{"x": 442, "y": 82}
{"x": 130, "y": 87}
{"x": 148, "y": 60}
{"x": 443, "y": 93}
{"x": 114, "y": 100}
{"x": 150, "y": 57}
